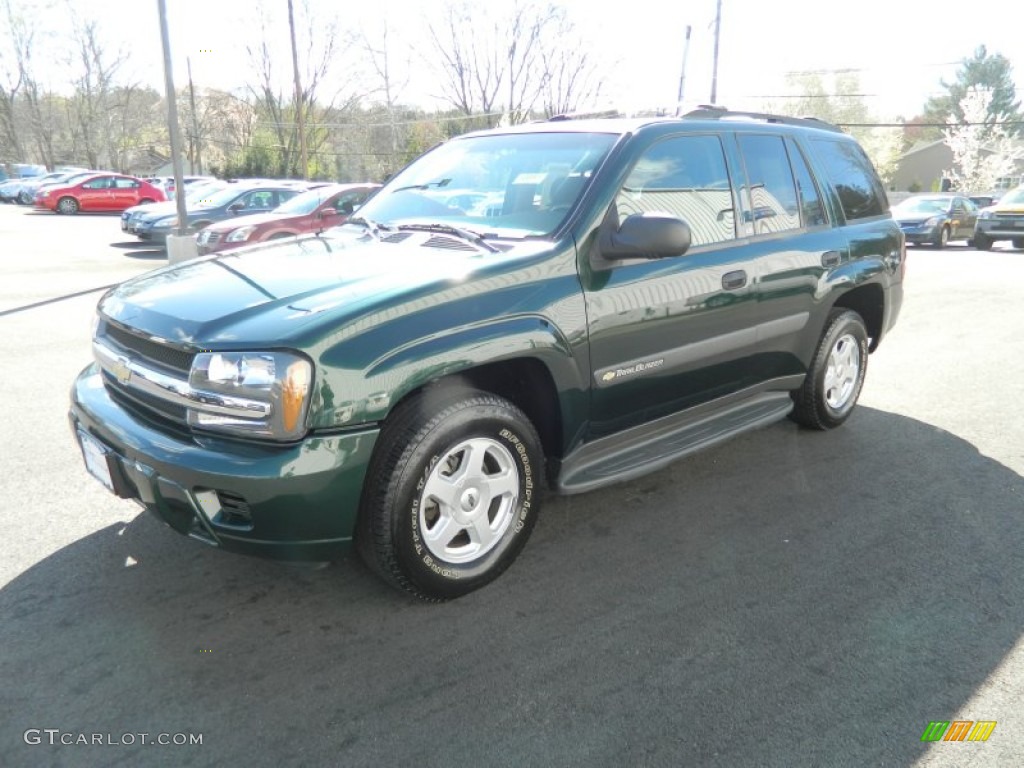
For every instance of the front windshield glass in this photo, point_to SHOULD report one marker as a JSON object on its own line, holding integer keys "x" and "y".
{"x": 216, "y": 198}
{"x": 1016, "y": 197}
{"x": 303, "y": 203}
{"x": 925, "y": 205}
{"x": 511, "y": 185}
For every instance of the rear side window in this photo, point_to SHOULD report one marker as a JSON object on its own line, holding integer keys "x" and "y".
{"x": 684, "y": 176}
{"x": 772, "y": 190}
{"x": 860, "y": 191}
{"x": 810, "y": 198}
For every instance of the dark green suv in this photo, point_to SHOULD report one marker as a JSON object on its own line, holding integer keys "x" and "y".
{"x": 560, "y": 305}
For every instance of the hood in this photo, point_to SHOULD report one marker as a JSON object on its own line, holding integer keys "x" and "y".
{"x": 252, "y": 219}
{"x": 167, "y": 208}
{"x": 914, "y": 217}
{"x": 266, "y": 294}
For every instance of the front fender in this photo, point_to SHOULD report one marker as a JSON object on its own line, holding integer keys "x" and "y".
{"x": 371, "y": 395}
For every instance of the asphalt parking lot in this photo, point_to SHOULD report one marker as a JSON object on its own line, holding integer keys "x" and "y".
{"x": 784, "y": 599}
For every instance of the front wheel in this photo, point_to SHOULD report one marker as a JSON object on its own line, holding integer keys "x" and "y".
{"x": 943, "y": 238}
{"x": 67, "y": 205}
{"x": 836, "y": 376}
{"x": 982, "y": 242}
{"x": 452, "y": 493}
{"x": 1018, "y": 242}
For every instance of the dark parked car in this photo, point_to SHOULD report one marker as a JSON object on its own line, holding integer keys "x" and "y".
{"x": 312, "y": 211}
{"x": 238, "y": 199}
{"x": 1002, "y": 221}
{"x": 936, "y": 219}
{"x": 410, "y": 381}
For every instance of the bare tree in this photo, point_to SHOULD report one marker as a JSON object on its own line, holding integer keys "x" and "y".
{"x": 381, "y": 61}
{"x": 15, "y": 51}
{"x": 529, "y": 56}
{"x": 327, "y": 48}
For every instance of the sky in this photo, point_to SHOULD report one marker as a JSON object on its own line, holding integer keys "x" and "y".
{"x": 901, "y": 49}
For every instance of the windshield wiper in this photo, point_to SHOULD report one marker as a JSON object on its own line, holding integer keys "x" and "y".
{"x": 425, "y": 185}
{"x": 446, "y": 229}
{"x": 372, "y": 227}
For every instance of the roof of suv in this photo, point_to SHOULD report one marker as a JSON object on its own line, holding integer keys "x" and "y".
{"x": 622, "y": 125}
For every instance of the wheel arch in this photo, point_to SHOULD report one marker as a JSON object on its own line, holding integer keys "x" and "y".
{"x": 868, "y": 301}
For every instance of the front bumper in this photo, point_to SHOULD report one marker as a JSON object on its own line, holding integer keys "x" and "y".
{"x": 291, "y": 502}
{"x": 919, "y": 233}
{"x": 1001, "y": 229}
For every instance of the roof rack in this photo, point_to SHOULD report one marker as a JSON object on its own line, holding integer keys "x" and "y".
{"x": 712, "y": 112}
{"x": 583, "y": 115}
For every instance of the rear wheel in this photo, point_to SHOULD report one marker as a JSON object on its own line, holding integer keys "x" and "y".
{"x": 982, "y": 242}
{"x": 451, "y": 495}
{"x": 145, "y": 200}
{"x": 67, "y": 205}
{"x": 836, "y": 376}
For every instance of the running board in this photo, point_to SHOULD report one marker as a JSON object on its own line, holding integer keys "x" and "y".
{"x": 650, "y": 447}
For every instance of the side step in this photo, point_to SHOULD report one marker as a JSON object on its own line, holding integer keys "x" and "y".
{"x": 650, "y": 447}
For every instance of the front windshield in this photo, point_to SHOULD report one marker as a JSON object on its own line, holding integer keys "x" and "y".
{"x": 304, "y": 203}
{"x": 1016, "y": 197}
{"x": 512, "y": 185}
{"x": 925, "y": 205}
{"x": 201, "y": 191}
{"x": 217, "y": 198}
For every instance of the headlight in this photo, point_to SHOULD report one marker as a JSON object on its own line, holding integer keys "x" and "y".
{"x": 170, "y": 221}
{"x": 240, "y": 234}
{"x": 934, "y": 221}
{"x": 985, "y": 215}
{"x": 256, "y": 394}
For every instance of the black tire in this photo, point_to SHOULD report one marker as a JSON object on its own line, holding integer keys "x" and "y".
{"x": 982, "y": 242}
{"x": 25, "y": 198}
{"x": 942, "y": 240}
{"x": 67, "y": 205}
{"x": 413, "y": 539}
{"x": 820, "y": 404}
{"x": 145, "y": 201}
{"x": 1018, "y": 242}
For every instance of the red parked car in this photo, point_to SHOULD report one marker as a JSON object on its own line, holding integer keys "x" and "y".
{"x": 312, "y": 211}
{"x": 100, "y": 192}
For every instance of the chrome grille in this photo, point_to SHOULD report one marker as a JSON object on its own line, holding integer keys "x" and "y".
{"x": 146, "y": 350}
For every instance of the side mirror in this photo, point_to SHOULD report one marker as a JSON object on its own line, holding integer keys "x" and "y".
{"x": 328, "y": 213}
{"x": 647, "y": 236}
{"x": 236, "y": 207}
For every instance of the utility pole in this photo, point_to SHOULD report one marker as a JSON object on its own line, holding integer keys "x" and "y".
{"x": 714, "y": 70}
{"x": 304, "y": 159}
{"x": 682, "y": 72}
{"x": 198, "y": 168}
{"x": 180, "y": 246}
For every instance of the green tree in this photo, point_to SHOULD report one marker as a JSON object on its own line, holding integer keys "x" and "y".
{"x": 986, "y": 72}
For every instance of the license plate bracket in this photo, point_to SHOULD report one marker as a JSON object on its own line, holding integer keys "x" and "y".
{"x": 97, "y": 460}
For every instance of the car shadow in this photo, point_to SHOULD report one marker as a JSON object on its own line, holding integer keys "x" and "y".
{"x": 785, "y": 599}
{"x": 139, "y": 249}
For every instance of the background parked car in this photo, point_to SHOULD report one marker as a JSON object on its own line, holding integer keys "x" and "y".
{"x": 41, "y": 193}
{"x": 1002, "y": 221}
{"x": 240, "y": 198}
{"x": 100, "y": 192}
{"x": 311, "y": 211}
{"x": 936, "y": 219}
{"x": 131, "y": 217}
{"x": 29, "y": 187}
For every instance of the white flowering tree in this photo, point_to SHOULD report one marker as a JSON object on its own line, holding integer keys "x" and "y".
{"x": 982, "y": 148}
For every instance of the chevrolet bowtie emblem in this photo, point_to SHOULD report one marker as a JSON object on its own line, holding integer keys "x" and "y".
{"x": 122, "y": 372}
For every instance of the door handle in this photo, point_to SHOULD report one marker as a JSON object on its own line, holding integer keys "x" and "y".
{"x": 831, "y": 258}
{"x": 733, "y": 280}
